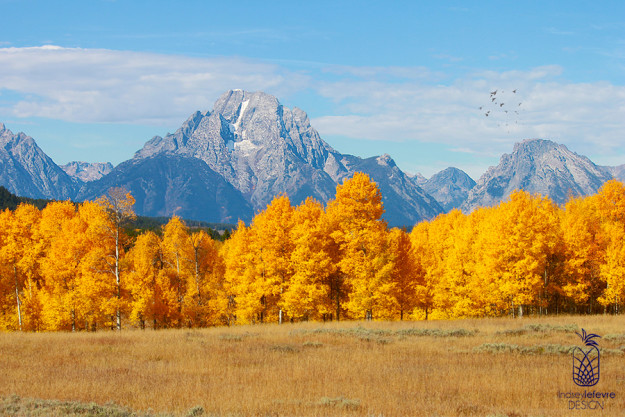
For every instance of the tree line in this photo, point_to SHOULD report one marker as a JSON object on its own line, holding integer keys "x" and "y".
{"x": 76, "y": 267}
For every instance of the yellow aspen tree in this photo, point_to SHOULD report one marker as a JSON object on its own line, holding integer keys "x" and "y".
{"x": 611, "y": 202}
{"x": 117, "y": 204}
{"x": 403, "y": 274}
{"x": 333, "y": 308}
{"x": 612, "y": 270}
{"x": 206, "y": 301}
{"x": 308, "y": 295}
{"x": 11, "y": 282}
{"x": 528, "y": 232}
{"x": 273, "y": 247}
{"x": 458, "y": 268}
{"x": 361, "y": 236}
{"x": 62, "y": 233}
{"x": 175, "y": 275}
{"x": 485, "y": 263}
{"x": 427, "y": 264}
{"x": 584, "y": 251}
{"x": 243, "y": 286}
{"x": 101, "y": 293}
{"x": 144, "y": 263}
{"x": 611, "y": 210}
{"x": 432, "y": 243}
{"x": 20, "y": 255}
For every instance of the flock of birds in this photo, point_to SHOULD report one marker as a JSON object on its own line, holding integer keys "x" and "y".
{"x": 500, "y": 106}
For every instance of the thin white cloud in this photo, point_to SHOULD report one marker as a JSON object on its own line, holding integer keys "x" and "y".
{"x": 98, "y": 85}
{"x": 587, "y": 117}
{"x": 407, "y": 104}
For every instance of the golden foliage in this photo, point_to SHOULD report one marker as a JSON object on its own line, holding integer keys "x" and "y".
{"x": 71, "y": 267}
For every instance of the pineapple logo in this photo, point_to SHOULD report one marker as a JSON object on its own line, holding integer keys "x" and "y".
{"x": 586, "y": 361}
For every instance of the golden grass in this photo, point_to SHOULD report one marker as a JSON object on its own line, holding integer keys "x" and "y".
{"x": 315, "y": 369}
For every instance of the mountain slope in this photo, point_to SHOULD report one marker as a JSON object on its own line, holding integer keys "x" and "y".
{"x": 164, "y": 185}
{"x": 256, "y": 144}
{"x": 402, "y": 198}
{"x": 617, "y": 172}
{"x": 450, "y": 187}
{"x": 537, "y": 166}
{"x": 263, "y": 148}
{"x": 27, "y": 171}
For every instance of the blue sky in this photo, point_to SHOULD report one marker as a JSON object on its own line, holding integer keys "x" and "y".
{"x": 93, "y": 80}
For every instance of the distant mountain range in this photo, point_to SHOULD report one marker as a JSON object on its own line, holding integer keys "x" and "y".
{"x": 87, "y": 171}
{"x": 228, "y": 163}
{"x": 538, "y": 166}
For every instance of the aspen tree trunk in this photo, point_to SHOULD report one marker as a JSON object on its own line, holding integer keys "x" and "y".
{"x": 117, "y": 279}
{"x": 338, "y": 305}
{"x": 280, "y": 312}
{"x": 17, "y": 298}
{"x": 197, "y": 279}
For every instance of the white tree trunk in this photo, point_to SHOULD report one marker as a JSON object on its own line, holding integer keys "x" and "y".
{"x": 17, "y": 297}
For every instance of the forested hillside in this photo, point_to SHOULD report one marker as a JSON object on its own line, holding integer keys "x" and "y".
{"x": 10, "y": 201}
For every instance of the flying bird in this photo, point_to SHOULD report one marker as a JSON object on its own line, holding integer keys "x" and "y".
{"x": 514, "y": 91}
{"x": 492, "y": 93}
{"x": 501, "y": 105}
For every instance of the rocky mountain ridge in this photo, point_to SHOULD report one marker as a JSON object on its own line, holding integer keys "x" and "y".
{"x": 262, "y": 149}
{"x": 228, "y": 163}
{"x": 27, "y": 171}
{"x": 450, "y": 187}
{"x": 537, "y": 166}
{"x": 87, "y": 171}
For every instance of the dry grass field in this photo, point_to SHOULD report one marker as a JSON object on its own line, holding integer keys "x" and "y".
{"x": 486, "y": 367}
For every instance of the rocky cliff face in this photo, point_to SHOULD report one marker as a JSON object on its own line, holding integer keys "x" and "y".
{"x": 87, "y": 171}
{"x": 450, "y": 187}
{"x": 537, "y": 166}
{"x": 257, "y": 145}
{"x": 27, "y": 171}
{"x": 225, "y": 164}
{"x": 262, "y": 149}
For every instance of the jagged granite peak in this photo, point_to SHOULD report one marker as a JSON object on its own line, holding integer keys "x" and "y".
{"x": 87, "y": 171}
{"x": 537, "y": 166}
{"x": 263, "y": 148}
{"x": 450, "y": 187}
{"x": 418, "y": 179}
{"x": 259, "y": 146}
{"x": 25, "y": 170}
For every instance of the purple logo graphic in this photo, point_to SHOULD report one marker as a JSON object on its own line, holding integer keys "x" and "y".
{"x": 586, "y": 361}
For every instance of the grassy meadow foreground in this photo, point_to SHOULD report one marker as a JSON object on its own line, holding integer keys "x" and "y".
{"x": 485, "y": 367}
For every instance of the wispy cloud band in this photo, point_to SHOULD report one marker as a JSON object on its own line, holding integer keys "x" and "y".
{"x": 364, "y": 103}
